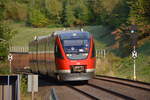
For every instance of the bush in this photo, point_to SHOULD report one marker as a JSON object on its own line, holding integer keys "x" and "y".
{"x": 3, "y": 49}
{"x": 24, "y": 85}
{"x": 37, "y": 18}
{"x": 1, "y": 11}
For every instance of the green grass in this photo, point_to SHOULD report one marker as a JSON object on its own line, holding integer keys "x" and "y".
{"x": 142, "y": 68}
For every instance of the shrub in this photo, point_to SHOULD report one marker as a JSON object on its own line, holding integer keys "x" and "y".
{"x": 3, "y": 49}
{"x": 37, "y": 18}
{"x": 6, "y": 34}
{"x": 24, "y": 84}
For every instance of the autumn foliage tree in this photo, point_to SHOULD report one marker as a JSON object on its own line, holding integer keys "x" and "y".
{"x": 140, "y": 16}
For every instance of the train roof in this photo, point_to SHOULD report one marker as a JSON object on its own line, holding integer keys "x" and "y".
{"x": 72, "y": 34}
{"x": 69, "y": 31}
{"x": 65, "y": 34}
{"x": 41, "y": 37}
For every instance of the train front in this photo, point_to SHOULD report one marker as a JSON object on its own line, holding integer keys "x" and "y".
{"x": 75, "y": 56}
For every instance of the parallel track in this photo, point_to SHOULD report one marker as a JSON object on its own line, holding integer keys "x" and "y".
{"x": 134, "y": 81}
{"x": 83, "y": 92}
{"x": 86, "y": 93}
{"x": 127, "y": 82}
{"x": 140, "y": 86}
{"x": 112, "y": 92}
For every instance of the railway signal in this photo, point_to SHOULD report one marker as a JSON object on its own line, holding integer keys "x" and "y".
{"x": 133, "y": 28}
{"x": 10, "y": 58}
{"x": 134, "y": 54}
{"x": 134, "y": 38}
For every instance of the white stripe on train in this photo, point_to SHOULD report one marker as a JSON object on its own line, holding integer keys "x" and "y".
{"x": 69, "y": 71}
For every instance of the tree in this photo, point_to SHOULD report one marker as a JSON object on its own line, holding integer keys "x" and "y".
{"x": 81, "y": 12}
{"x": 54, "y": 10}
{"x": 15, "y": 11}
{"x": 119, "y": 14}
{"x": 1, "y": 10}
{"x": 76, "y": 12}
{"x": 6, "y": 34}
{"x": 96, "y": 9}
{"x": 140, "y": 11}
{"x": 37, "y": 18}
{"x": 139, "y": 16}
{"x": 69, "y": 17}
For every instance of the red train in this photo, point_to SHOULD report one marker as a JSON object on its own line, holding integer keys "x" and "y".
{"x": 65, "y": 55}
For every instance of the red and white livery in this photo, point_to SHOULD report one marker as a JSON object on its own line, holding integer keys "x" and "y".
{"x": 65, "y": 55}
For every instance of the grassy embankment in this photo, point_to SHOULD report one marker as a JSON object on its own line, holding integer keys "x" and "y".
{"x": 111, "y": 65}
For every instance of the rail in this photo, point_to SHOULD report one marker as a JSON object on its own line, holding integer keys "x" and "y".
{"x": 135, "y": 81}
{"x": 53, "y": 95}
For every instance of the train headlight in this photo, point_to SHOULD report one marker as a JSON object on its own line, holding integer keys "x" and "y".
{"x": 85, "y": 54}
{"x": 81, "y": 50}
{"x": 68, "y": 55}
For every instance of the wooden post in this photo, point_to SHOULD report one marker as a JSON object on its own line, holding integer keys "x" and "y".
{"x": 32, "y": 87}
{"x": 32, "y": 95}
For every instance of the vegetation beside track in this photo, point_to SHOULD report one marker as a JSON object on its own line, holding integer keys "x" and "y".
{"x": 113, "y": 65}
{"x": 24, "y": 94}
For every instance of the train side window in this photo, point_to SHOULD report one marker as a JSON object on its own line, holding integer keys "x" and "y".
{"x": 93, "y": 51}
{"x": 58, "y": 52}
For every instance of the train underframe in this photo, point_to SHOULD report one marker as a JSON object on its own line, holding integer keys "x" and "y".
{"x": 75, "y": 76}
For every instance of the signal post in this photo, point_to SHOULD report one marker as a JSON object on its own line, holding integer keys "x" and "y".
{"x": 10, "y": 58}
{"x": 134, "y": 38}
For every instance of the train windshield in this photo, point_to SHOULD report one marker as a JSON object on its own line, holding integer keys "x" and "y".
{"x": 76, "y": 44}
{"x": 76, "y": 48}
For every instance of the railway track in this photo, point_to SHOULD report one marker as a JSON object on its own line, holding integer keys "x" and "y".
{"x": 98, "y": 93}
{"x": 127, "y": 82}
{"x": 100, "y": 88}
{"x": 127, "y": 89}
